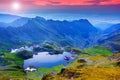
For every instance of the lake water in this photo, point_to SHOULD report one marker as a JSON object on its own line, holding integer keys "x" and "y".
{"x": 44, "y": 59}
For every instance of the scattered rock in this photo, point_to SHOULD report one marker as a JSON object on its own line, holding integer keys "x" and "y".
{"x": 69, "y": 73}
{"x": 80, "y": 66}
{"x": 118, "y": 63}
{"x": 82, "y": 61}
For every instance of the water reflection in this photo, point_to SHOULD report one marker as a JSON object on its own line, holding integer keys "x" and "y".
{"x": 44, "y": 59}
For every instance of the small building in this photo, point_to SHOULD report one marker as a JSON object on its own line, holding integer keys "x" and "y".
{"x": 30, "y": 69}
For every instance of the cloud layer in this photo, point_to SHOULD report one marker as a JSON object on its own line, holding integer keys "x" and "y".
{"x": 38, "y": 3}
{"x": 73, "y": 2}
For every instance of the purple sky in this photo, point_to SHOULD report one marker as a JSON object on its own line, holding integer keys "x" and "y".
{"x": 94, "y": 10}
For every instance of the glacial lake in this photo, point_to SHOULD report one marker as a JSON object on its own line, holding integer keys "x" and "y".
{"x": 44, "y": 59}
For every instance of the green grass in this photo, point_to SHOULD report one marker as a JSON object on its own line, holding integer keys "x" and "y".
{"x": 14, "y": 70}
{"x": 77, "y": 51}
{"x": 12, "y": 65}
{"x": 98, "y": 50}
{"x": 11, "y": 56}
{"x": 38, "y": 75}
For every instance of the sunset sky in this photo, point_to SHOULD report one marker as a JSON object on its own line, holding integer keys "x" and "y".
{"x": 94, "y": 10}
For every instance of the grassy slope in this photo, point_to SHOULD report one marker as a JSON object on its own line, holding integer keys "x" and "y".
{"x": 97, "y": 67}
{"x": 38, "y": 75}
{"x": 12, "y": 69}
{"x": 98, "y": 50}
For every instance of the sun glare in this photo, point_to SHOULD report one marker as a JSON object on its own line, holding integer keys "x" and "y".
{"x": 16, "y": 5}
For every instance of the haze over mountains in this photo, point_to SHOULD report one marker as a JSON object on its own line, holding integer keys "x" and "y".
{"x": 111, "y": 37}
{"x": 7, "y": 18}
{"x": 79, "y": 33}
{"x": 103, "y": 25}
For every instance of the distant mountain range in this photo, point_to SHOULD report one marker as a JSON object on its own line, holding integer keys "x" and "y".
{"x": 111, "y": 37}
{"x": 7, "y": 18}
{"x": 14, "y": 22}
{"x": 28, "y": 31}
{"x": 103, "y": 25}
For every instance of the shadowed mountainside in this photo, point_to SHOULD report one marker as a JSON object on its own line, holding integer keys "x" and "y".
{"x": 79, "y": 33}
{"x": 111, "y": 37}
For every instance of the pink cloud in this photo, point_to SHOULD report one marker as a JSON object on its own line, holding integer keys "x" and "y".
{"x": 110, "y": 2}
{"x": 29, "y": 4}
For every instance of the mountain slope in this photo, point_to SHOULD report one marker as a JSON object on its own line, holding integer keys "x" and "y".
{"x": 16, "y": 23}
{"x": 7, "y": 18}
{"x": 111, "y": 37}
{"x": 37, "y": 30}
{"x": 112, "y": 29}
{"x": 79, "y": 32}
{"x": 19, "y": 22}
{"x": 103, "y": 25}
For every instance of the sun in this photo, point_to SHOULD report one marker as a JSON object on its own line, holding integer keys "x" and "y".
{"x": 16, "y": 5}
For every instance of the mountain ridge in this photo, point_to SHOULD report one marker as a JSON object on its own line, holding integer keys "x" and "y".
{"x": 111, "y": 37}
{"x": 38, "y": 29}
{"x": 78, "y": 33}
